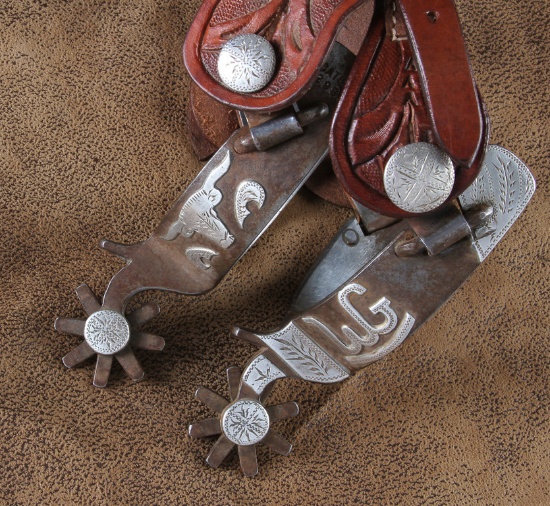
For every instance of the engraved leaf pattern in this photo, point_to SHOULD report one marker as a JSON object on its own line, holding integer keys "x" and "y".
{"x": 508, "y": 183}
{"x": 208, "y": 221}
{"x": 263, "y": 376}
{"x": 480, "y": 191}
{"x": 307, "y": 356}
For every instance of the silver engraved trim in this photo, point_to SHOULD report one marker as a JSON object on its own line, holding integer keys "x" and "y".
{"x": 505, "y": 182}
{"x": 380, "y": 307}
{"x": 245, "y": 422}
{"x": 400, "y": 335}
{"x": 352, "y": 343}
{"x": 246, "y": 63}
{"x": 198, "y": 213}
{"x": 248, "y": 191}
{"x": 304, "y": 356}
{"x": 347, "y": 346}
{"x": 260, "y": 373}
{"x": 201, "y": 257}
{"x": 419, "y": 177}
{"x": 106, "y": 332}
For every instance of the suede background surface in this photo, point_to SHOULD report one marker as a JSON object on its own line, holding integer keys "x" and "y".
{"x": 93, "y": 97}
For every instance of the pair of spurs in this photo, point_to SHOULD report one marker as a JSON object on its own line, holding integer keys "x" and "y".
{"x": 431, "y": 197}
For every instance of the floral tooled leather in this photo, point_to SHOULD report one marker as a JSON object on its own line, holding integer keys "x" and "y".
{"x": 301, "y": 32}
{"x": 386, "y": 105}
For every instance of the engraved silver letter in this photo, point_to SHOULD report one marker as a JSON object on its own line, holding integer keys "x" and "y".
{"x": 372, "y": 332}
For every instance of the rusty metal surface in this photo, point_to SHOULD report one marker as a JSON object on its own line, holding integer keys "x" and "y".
{"x": 280, "y": 129}
{"x": 216, "y": 220}
{"x": 361, "y": 300}
{"x": 202, "y": 237}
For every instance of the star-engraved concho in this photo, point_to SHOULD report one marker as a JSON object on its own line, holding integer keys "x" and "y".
{"x": 246, "y": 422}
{"x": 246, "y": 63}
{"x": 106, "y": 332}
{"x": 419, "y": 177}
{"x": 243, "y": 422}
{"x": 109, "y": 335}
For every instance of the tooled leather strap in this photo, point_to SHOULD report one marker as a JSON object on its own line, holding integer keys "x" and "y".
{"x": 406, "y": 88}
{"x": 301, "y": 32}
{"x": 440, "y": 56}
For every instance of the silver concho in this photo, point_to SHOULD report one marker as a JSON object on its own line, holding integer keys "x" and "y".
{"x": 246, "y": 63}
{"x": 106, "y": 332}
{"x": 245, "y": 422}
{"x": 419, "y": 177}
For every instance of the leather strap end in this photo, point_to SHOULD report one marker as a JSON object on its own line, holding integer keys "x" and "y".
{"x": 454, "y": 104}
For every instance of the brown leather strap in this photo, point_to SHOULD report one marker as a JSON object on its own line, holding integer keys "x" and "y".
{"x": 209, "y": 123}
{"x": 387, "y": 104}
{"x": 301, "y": 32}
{"x": 440, "y": 56}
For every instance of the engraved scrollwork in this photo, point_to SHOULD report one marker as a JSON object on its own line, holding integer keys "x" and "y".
{"x": 248, "y": 191}
{"x": 201, "y": 257}
{"x": 198, "y": 213}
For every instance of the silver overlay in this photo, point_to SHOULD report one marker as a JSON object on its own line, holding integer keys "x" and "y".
{"x": 245, "y": 422}
{"x": 419, "y": 177}
{"x": 248, "y": 191}
{"x": 507, "y": 184}
{"x": 198, "y": 212}
{"x": 367, "y": 348}
{"x": 201, "y": 257}
{"x": 260, "y": 373}
{"x": 106, "y": 332}
{"x": 246, "y": 63}
{"x": 304, "y": 356}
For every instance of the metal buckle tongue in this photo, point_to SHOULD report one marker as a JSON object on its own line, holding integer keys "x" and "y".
{"x": 235, "y": 197}
{"x": 363, "y": 298}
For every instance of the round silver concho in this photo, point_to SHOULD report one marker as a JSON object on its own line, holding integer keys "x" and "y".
{"x": 246, "y": 63}
{"x": 246, "y": 422}
{"x": 106, "y": 332}
{"x": 419, "y": 177}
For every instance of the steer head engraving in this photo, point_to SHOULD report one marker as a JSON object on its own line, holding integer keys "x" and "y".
{"x": 198, "y": 213}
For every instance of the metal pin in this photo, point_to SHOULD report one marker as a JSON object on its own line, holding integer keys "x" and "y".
{"x": 350, "y": 237}
{"x": 278, "y": 130}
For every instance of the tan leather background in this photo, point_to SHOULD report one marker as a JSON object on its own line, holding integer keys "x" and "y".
{"x": 93, "y": 98}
